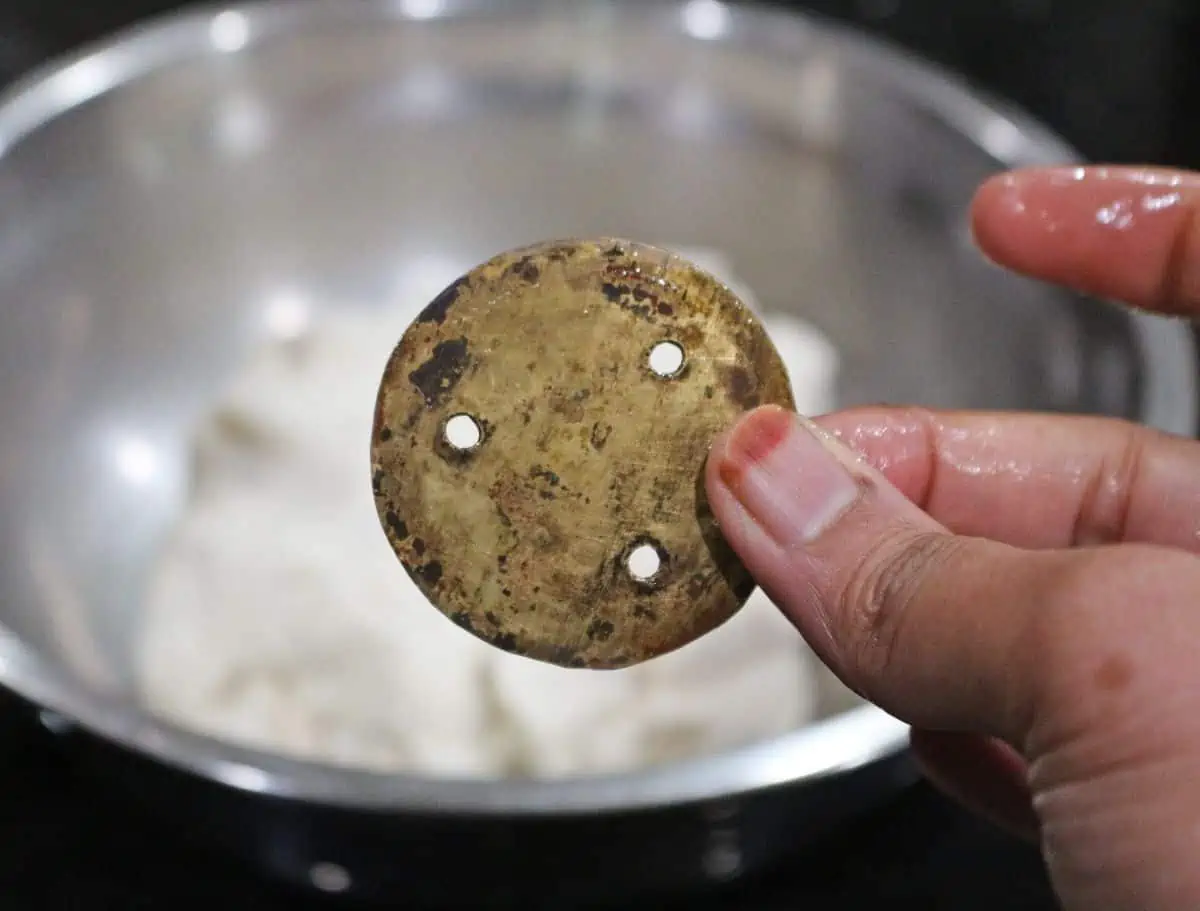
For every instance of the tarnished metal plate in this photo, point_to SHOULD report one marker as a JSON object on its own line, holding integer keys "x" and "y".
{"x": 578, "y": 464}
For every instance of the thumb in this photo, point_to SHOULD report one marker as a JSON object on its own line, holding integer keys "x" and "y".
{"x": 943, "y": 631}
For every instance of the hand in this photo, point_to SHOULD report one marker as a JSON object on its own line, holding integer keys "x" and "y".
{"x": 1024, "y": 590}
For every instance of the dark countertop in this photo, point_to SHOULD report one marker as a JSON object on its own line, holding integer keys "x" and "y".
{"x": 70, "y": 843}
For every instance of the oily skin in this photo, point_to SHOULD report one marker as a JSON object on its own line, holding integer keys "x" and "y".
{"x": 1024, "y": 590}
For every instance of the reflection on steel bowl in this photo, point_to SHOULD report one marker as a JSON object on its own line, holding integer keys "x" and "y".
{"x": 170, "y": 199}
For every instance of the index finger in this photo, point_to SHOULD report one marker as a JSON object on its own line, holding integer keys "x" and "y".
{"x": 1128, "y": 234}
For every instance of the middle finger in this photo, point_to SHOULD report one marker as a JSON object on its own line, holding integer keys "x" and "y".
{"x": 1035, "y": 481}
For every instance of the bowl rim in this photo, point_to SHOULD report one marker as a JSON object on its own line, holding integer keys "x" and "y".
{"x": 850, "y": 741}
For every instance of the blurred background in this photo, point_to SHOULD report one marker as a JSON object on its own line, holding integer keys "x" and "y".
{"x": 1113, "y": 76}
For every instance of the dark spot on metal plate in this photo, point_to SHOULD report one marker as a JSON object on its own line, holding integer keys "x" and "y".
{"x": 599, "y": 435}
{"x": 431, "y": 572}
{"x": 436, "y": 378}
{"x": 526, "y": 270}
{"x": 436, "y": 311}
{"x": 537, "y": 471}
{"x": 741, "y": 387}
{"x": 396, "y": 526}
{"x": 504, "y": 641}
{"x": 600, "y": 630}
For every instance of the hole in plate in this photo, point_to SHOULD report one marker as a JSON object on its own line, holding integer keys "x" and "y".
{"x": 644, "y": 563}
{"x": 666, "y": 359}
{"x": 462, "y": 432}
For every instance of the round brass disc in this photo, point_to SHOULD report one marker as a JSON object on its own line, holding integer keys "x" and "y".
{"x": 527, "y": 458}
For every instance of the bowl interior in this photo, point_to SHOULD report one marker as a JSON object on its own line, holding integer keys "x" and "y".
{"x": 203, "y": 178}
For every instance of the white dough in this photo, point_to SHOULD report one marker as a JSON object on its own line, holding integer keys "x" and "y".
{"x": 279, "y": 618}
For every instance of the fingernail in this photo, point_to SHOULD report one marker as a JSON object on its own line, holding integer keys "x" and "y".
{"x": 793, "y": 479}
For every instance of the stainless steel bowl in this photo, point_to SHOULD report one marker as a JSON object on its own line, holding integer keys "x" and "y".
{"x": 157, "y": 192}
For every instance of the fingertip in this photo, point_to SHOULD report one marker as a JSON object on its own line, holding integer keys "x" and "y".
{"x": 1006, "y": 224}
{"x": 1122, "y": 233}
{"x": 727, "y": 456}
{"x": 750, "y": 438}
{"x": 752, "y": 545}
{"x": 990, "y": 199}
